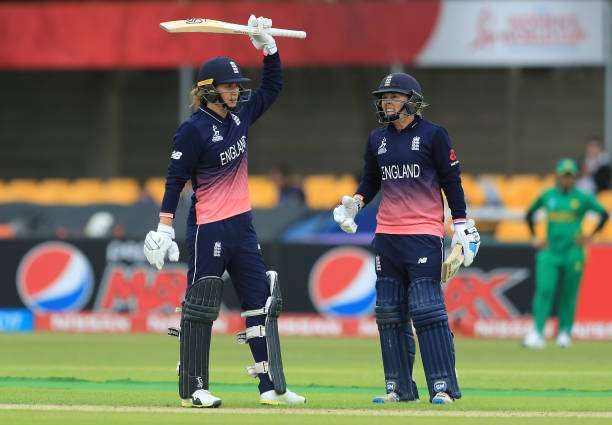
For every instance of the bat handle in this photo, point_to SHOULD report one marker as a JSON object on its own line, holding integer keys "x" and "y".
{"x": 277, "y": 32}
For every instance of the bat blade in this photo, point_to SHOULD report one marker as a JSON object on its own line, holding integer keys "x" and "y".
{"x": 451, "y": 265}
{"x": 204, "y": 25}
{"x": 221, "y": 27}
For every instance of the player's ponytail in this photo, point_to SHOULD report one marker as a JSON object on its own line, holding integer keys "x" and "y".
{"x": 196, "y": 98}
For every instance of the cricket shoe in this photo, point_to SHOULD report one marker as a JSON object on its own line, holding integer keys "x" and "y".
{"x": 534, "y": 340}
{"x": 564, "y": 340}
{"x": 201, "y": 398}
{"x": 441, "y": 398}
{"x": 390, "y": 397}
{"x": 274, "y": 399}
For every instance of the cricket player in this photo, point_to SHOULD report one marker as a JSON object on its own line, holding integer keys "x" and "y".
{"x": 210, "y": 150}
{"x": 411, "y": 160}
{"x": 561, "y": 257}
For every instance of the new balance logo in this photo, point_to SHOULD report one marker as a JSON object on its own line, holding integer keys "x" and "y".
{"x": 383, "y": 146}
{"x": 217, "y": 249}
{"x": 377, "y": 264}
{"x": 416, "y": 141}
{"x": 422, "y": 260}
{"x": 236, "y": 119}
{"x": 176, "y": 155}
{"x": 217, "y": 137}
{"x": 234, "y": 67}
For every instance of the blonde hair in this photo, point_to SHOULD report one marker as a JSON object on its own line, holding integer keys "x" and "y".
{"x": 196, "y": 98}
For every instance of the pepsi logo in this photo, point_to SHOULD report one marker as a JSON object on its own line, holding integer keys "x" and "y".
{"x": 54, "y": 276}
{"x": 343, "y": 282}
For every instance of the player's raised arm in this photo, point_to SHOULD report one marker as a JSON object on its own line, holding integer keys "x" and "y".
{"x": 272, "y": 76}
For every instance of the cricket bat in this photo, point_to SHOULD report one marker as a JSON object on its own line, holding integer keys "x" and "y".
{"x": 220, "y": 27}
{"x": 451, "y": 265}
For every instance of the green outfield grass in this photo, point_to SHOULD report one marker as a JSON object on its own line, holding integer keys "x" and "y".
{"x": 123, "y": 379}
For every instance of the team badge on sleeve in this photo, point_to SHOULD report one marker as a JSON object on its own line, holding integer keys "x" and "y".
{"x": 453, "y": 157}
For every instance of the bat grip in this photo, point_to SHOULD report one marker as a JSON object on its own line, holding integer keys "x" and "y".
{"x": 277, "y": 32}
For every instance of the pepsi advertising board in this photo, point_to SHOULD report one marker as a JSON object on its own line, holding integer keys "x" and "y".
{"x": 107, "y": 286}
{"x": 340, "y": 282}
{"x": 54, "y": 276}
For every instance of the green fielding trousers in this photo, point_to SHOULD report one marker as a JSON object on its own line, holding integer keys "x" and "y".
{"x": 552, "y": 269}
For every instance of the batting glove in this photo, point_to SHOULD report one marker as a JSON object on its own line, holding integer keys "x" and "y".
{"x": 160, "y": 244}
{"x": 262, "y": 41}
{"x": 469, "y": 238}
{"x": 344, "y": 214}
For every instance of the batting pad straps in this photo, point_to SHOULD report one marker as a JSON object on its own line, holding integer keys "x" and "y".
{"x": 252, "y": 332}
{"x": 273, "y": 308}
{"x": 258, "y": 312}
{"x": 257, "y": 368}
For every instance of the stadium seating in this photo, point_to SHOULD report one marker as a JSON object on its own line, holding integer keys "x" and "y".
{"x": 474, "y": 193}
{"x": 325, "y": 191}
{"x": 496, "y": 201}
{"x": 263, "y": 192}
{"x": 515, "y": 231}
{"x": 155, "y": 187}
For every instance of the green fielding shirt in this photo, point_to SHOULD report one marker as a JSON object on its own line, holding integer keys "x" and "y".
{"x": 565, "y": 212}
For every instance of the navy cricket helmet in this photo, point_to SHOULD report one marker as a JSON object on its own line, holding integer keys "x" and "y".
{"x": 220, "y": 70}
{"x": 402, "y": 83}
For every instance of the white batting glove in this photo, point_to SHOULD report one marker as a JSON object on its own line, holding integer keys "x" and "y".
{"x": 263, "y": 41}
{"x": 469, "y": 238}
{"x": 160, "y": 244}
{"x": 344, "y": 214}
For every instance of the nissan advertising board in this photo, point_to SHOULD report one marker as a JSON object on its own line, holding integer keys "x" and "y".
{"x": 107, "y": 286}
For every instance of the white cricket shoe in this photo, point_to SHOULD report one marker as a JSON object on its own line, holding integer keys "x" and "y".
{"x": 534, "y": 340}
{"x": 201, "y": 398}
{"x": 564, "y": 340}
{"x": 288, "y": 397}
{"x": 442, "y": 398}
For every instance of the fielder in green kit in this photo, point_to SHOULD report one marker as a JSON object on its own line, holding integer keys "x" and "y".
{"x": 561, "y": 257}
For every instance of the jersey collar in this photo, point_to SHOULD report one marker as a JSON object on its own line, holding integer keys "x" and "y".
{"x": 212, "y": 114}
{"x": 413, "y": 124}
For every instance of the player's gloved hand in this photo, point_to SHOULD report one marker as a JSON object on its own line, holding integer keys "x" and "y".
{"x": 467, "y": 235}
{"x": 160, "y": 244}
{"x": 263, "y": 41}
{"x": 344, "y": 214}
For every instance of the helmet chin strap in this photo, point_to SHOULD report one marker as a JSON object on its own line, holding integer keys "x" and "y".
{"x": 398, "y": 116}
{"x": 403, "y": 112}
{"x": 217, "y": 100}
